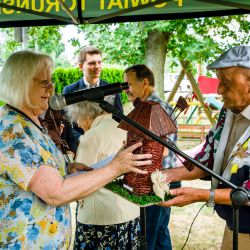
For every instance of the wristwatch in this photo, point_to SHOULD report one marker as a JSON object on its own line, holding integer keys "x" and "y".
{"x": 211, "y": 202}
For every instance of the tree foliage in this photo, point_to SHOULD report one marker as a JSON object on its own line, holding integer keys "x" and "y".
{"x": 42, "y": 39}
{"x": 199, "y": 39}
{"x": 46, "y": 39}
{"x": 121, "y": 43}
{"x": 195, "y": 40}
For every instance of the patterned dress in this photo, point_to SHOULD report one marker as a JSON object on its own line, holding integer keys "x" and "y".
{"x": 27, "y": 222}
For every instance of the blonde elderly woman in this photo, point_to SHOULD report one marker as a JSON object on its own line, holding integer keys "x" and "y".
{"x": 34, "y": 210}
{"x": 104, "y": 220}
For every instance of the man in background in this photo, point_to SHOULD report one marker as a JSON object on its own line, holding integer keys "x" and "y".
{"x": 141, "y": 84}
{"x": 90, "y": 62}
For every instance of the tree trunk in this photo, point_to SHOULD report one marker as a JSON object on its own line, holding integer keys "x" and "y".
{"x": 155, "y": 55}
{"x": 25, "y": 31}
{"x": 22, "y": 36}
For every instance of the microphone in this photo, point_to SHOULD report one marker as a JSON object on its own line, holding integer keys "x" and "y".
{"x": 58, "y": 102}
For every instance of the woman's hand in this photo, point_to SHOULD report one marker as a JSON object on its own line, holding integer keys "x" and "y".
{"x": 55, "y": 190}
{"x": 125, "y": 161}
{"x": 185, "y": 196}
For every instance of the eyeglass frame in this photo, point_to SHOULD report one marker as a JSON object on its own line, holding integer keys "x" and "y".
{"x": 45, "y": 83}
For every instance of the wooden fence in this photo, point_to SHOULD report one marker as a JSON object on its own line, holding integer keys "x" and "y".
{"x": 193, "y": 131}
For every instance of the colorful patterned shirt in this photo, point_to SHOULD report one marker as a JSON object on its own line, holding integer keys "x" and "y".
{"x": 239, "y": 167}
{"x": 26, "y": 221}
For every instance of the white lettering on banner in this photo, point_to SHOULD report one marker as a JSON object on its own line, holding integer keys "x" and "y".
{"x": 54, "y": 6}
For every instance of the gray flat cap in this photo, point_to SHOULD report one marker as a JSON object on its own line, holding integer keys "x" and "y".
{"x": 236, "y": 56}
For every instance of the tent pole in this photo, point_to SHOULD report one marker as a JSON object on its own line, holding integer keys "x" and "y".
{"x": 68, "y": 11}
{"x": 79, "y": 11}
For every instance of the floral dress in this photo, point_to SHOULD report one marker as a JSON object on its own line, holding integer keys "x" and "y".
{"x": 26, "y": 221}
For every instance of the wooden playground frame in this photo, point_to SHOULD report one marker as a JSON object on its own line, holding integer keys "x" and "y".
{"x": 193, "y": 131}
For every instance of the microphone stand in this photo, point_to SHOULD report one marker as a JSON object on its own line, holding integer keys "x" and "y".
{"x": 239, "y": 196}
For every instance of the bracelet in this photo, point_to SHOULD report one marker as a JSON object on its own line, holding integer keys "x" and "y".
{"x": 211, "y": 199}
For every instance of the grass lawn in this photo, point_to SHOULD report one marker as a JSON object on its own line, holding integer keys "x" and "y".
{"x": 207, "y": 230}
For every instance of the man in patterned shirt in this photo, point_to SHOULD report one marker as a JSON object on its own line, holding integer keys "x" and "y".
{"x": 226, "y": 150}
{"x": 141, "y": 84}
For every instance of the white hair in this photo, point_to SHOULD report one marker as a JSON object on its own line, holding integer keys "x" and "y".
{"x": 17, "y": 76}
{"x": 84, "y": 110}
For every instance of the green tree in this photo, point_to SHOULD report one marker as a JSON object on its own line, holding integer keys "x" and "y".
{"x": 42, "y": 39}
{"x": 47, "y": 40}
{"x": 9, "y": 44}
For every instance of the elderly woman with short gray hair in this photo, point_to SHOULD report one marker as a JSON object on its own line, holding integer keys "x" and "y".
{"x": 104, "y": 220}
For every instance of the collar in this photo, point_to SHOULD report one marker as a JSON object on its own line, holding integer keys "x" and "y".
{"x": 26, "y": 117}
{"x": 88, "y": 84}
{"x": 246, "y": 112}
{"x": 99, "y": 119}
{"x": 153, "y": 96}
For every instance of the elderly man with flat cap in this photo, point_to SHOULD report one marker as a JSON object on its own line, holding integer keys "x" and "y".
{"x": 226, "y": 150}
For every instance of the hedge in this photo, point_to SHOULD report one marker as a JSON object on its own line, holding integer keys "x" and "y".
{"x": 63, "y": 77}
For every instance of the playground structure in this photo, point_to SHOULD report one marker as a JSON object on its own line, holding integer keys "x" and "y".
{"x": 203, "y": 111}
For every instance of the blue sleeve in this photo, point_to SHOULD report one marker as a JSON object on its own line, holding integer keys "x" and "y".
{"x": 118, "y": 103}
{"x": 71, "y": 134}
{"x": 66, "y": 89}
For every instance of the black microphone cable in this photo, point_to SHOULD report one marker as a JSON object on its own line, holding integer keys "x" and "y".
{"x": 192, "y": 225}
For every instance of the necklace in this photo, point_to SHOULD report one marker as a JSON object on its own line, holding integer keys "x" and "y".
{"x": 55, "y": 160}
{"x": 41, "y": 128}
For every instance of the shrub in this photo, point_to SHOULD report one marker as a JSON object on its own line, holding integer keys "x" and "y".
{"x": 2, "y": 103}
{"x": 63, "y": 77}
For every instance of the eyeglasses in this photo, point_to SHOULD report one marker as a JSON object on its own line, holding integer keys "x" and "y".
{"x": 45, "y": 83}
